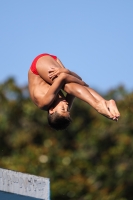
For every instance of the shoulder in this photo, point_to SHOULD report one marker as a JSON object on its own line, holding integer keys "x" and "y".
{"x": 39, "y": 99}
{"x": 41, "y": 96}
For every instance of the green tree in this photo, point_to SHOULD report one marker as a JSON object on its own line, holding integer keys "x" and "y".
{"x": 91, "y": 160}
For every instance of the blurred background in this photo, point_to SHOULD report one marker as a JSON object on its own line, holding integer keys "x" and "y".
{"x": 93, "y": 158}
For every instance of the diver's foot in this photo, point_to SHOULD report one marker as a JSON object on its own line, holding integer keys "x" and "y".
{"x": 111, "y": 105}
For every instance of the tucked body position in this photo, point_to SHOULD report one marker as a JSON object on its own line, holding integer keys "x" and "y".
{"x": 48, "y": 78}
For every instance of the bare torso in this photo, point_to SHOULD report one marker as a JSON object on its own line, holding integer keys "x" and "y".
{"x": 39, "y": 84}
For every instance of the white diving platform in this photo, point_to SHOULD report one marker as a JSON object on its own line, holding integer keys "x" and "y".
{"x": 20, "y": 186}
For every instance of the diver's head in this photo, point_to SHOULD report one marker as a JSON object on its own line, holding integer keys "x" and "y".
{"x": 59, "y": 115}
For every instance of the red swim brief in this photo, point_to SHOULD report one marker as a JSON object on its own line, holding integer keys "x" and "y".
{"x": 33, "y": 65}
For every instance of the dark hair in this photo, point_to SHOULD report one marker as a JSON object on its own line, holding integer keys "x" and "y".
{"x": 58, "y": 122}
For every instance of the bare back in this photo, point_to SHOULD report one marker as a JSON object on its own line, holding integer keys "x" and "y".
{"x": 39, "y": 84}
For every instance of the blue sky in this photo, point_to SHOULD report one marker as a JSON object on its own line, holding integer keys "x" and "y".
{"x": 92, "y": 38}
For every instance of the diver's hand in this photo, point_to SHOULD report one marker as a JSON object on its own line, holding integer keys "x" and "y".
{"x": 54, "y": 72}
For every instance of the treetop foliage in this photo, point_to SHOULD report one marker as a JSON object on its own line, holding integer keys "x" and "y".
{"x": 91, "y": 160}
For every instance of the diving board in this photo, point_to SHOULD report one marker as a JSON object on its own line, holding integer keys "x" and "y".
{"x": 20, "y": 186}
